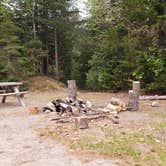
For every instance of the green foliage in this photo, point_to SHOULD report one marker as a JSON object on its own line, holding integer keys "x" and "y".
{"x": 152, "y": 73}
{"x": 34, "y": 54}
{"x": 121, "y": 41}
{"x": 126, "y": 46}
{"x": 27, "y": 37}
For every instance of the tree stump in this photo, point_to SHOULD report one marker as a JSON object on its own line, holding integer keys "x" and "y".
{"x": 133, "y": 100}
{"x": 81, "y": 122}
{"x": 72, "y": 88}
{"x": 136, "y": 87}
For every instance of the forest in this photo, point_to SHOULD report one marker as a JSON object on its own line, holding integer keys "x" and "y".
{"x": 118, "y": 42}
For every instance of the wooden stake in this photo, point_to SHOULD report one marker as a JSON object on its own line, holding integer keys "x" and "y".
{"x": 81, "y": 122}
{"x": 133, "y": 100}
{"x": 136, "y": 87}
{"x": 72, "y": 89}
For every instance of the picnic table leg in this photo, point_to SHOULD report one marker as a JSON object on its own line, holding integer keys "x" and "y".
{"x": 19, "y": 97}
{"x": 3, "y": 99}
{"x": 20, "y": 100}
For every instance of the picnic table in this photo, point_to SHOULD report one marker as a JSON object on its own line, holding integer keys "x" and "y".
{"x": 12, "y": 89}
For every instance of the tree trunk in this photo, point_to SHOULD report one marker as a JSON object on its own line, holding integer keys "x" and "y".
{"x": 56, "y": 54}
{"x": 33, "y": 15}
{"x": 133, "y": 100}
{"x": 136, "y": 87}
{"x": 72, "y": 88}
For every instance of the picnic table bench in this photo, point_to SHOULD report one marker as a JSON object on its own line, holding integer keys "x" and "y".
{"x": 12, "y": 89}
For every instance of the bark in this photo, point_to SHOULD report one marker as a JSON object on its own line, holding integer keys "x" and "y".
{"x": 136, "y": 87}
{"x": 72, "y": 88}
{"x": 133, "y": 100}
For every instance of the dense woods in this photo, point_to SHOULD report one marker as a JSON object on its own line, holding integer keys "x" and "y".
{"x": 120, "y": 41}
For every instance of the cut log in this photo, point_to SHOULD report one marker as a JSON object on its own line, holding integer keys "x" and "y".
{"x": 120, "y": 103}
{"x": 133, "y": 100}
{"x": 136, "y": 87}
{"x": 72, "y": 88}
{"x": 81, "y": 122}
{"x": 113, "y": 108}
{"x": 156, "y": 97}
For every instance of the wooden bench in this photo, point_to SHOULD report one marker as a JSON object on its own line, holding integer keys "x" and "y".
{"x": 12, "y": 89}
{"x": 14, "y": 93}
{"x": 19, "y": 96}
{"x": 2, "y": 91}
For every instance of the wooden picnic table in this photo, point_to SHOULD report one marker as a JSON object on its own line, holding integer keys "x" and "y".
{"x": 12, "y": 89}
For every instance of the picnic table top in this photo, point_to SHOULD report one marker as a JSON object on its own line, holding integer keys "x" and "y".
{"x": 2, "y": 84}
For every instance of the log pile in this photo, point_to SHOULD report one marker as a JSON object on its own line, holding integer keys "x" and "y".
{"x": 79, "y": 112}
{"x": 68, "y": 107}
{"x": 115, "y": 106}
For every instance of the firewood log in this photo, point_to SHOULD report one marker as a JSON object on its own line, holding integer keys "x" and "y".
{"x": 34, "y": 110}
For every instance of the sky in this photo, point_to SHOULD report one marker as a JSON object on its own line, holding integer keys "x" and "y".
{"x": 82, "y": 7}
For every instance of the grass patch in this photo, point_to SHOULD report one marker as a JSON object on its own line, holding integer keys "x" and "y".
{"x": 42, "y": 83}
{"x": 145, "y": 147}
{"x": 141, "y": 147}
{"x": 160, "y": 125}
{"x": 117, "y": 145}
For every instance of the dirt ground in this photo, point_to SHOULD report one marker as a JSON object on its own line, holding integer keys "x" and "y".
{"x": 36, "y": 140}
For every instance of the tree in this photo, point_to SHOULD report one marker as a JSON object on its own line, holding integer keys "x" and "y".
{"x": 10, "y": 45}
{"x": 122, "y": 33}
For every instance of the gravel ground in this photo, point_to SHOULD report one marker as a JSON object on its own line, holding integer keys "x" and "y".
{"x": 20, "y": 144}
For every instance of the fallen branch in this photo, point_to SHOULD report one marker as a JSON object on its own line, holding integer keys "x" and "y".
{"x": 92, "y": 116}
{"x": 156, "y": 97}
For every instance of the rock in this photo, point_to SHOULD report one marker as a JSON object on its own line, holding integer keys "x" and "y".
{"x": 155, "y": 104}
{"x": 115, "y": 101}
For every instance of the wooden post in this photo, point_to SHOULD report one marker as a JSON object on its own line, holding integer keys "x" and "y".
{"x": 136, "y": 87}
{"x": 133, "y": 100}
{"x": 81, "y": 122}
{"x": 56, "y": 53}
{"x": 72, "y": 88}
{"x": 134, "y": 96}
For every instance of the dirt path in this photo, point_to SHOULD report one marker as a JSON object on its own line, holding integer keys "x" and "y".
{"x": 20, "y": 144}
